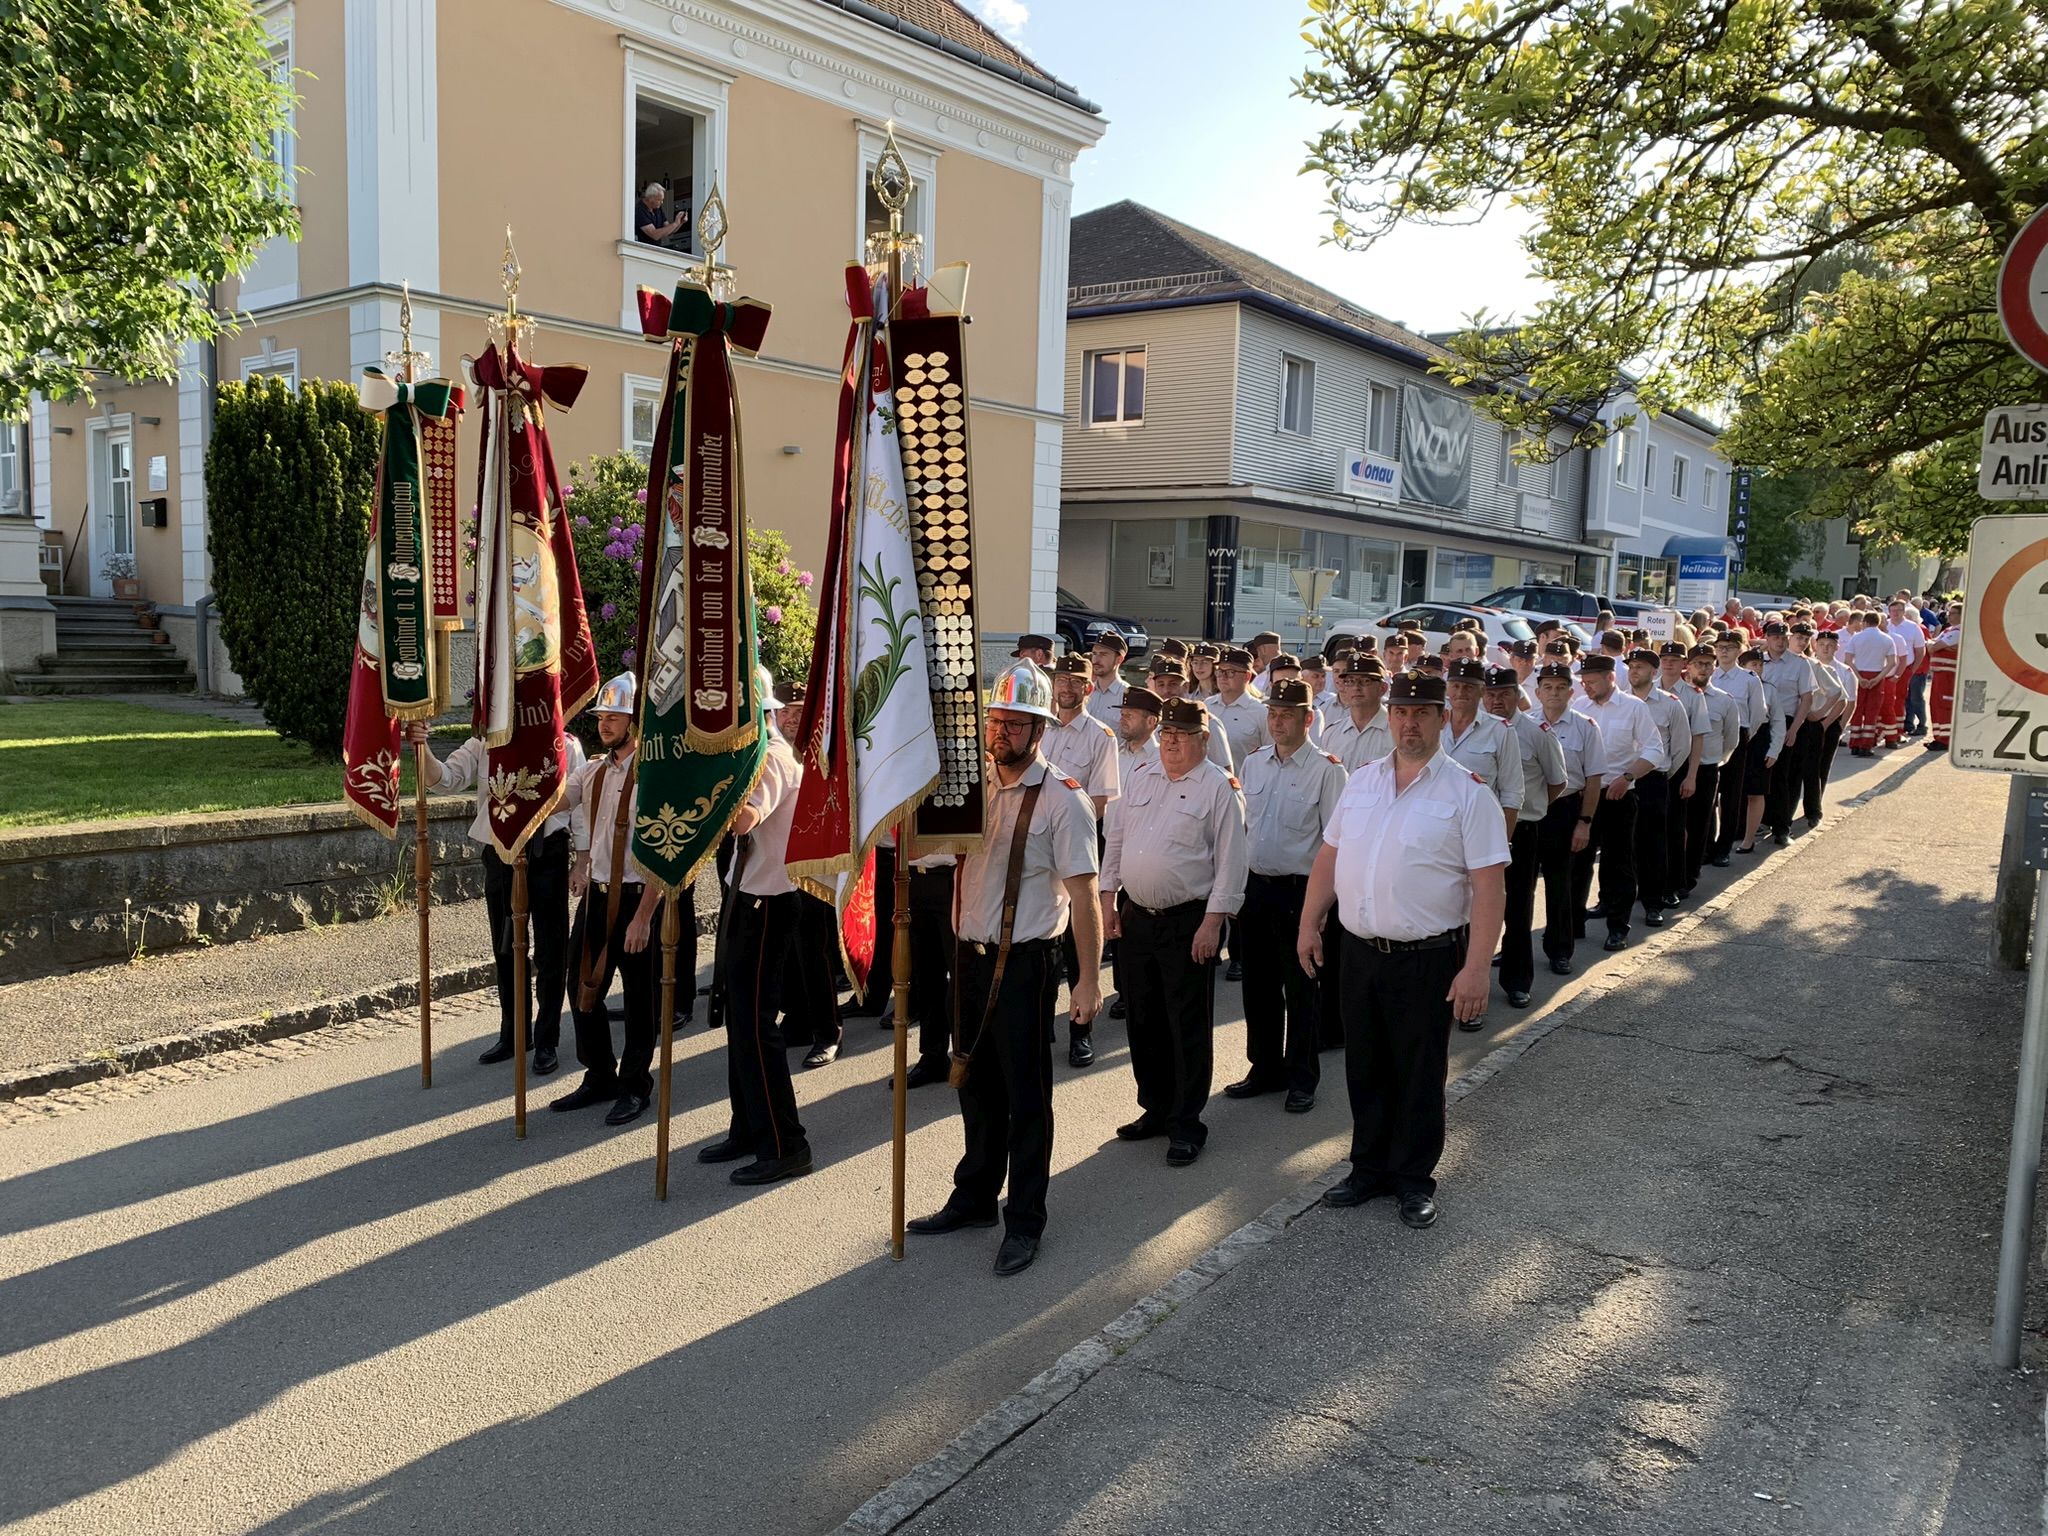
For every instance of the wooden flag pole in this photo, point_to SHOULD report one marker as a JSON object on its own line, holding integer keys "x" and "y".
{"x": 519, "y": 996}
{"x": 423, "y": 895}
{"x": 671, "y": 938}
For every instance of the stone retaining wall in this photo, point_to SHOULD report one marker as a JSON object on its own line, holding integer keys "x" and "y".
{"x": 87, "y": 895}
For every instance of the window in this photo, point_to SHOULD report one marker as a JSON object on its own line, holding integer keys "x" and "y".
{"x": 668, "y": 155}
{"x": 1710, "y": 481}
{"x": 1848, "y": 588}
{"x": 1464, "y": 577}
{"x": 1518, "y": 473}
{"x": 643, "y": 413}
{"x": 1382, "y": 424}
{"x": 918, "y": 219}
{"x": 273, "y": 365}
{"x": 10, "y": 467}
{"x": 1678, "y": 469}
{"x": 1510, "y": 466}
{"x": 1649, "y": 465}
{"x": 281, "y": 138}
{"x": 1624, "y": 450}
{"x": 1116, "y": 387}
{"x": 1297, "y": 395}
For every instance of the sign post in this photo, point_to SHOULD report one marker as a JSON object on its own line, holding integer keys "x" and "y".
{"x": 1314, "y": 586}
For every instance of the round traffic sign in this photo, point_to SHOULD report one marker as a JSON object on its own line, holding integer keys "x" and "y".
{"x": 2023, "y": 290}
{"x": 2000, "y": 643}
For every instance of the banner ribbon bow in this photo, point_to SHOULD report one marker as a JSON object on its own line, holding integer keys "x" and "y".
{"x": 433, "y": 398}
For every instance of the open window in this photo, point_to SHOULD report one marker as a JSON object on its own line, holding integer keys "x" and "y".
{"x": 669, "y": 144}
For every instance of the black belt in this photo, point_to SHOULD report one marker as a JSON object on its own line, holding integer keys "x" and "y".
{"x": 1017, "y": 946}
{"x": 1449, "y": 938}
{"x": 1200, "y": 903}
{"x": 603, "y": 888}
{"x": 1278, "y": 879}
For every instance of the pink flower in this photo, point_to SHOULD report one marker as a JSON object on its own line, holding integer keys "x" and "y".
{"x": 641, "y": 495}
{"x": 568, "y": 491}
{"x": 803, "y": 578}
{"x": 782, "y": 568}
{"x": 773, "y": 613}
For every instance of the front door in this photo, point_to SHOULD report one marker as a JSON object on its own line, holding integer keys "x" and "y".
{"x": 113, "y": 504}
{"x": 1414, "y": 575}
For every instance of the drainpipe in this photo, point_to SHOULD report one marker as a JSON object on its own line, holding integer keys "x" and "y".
{"x": 202, "y": 647}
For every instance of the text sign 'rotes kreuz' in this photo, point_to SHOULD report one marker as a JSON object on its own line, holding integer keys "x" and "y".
{"x": 2001, "y": 709}
{"x": 2013, "y": 465}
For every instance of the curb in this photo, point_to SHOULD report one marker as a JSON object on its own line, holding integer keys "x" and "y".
{"x": 901, "y": 1501}
{"x": 235, "y": 1033}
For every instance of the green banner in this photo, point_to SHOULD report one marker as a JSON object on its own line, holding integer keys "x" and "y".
{"x": 402, "y": 560}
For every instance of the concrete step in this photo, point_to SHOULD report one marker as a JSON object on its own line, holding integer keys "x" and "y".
{"x": 106, "y": 618}
{"x": 142, "y": 641}
{"x": 82, "y": 607}
{"x": 100, "y": 682}
{"x": 141, "y": 663}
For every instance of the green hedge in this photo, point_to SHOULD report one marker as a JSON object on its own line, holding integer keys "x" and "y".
{"x": 290, "y": 476}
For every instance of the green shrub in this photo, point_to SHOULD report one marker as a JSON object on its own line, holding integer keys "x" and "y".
{"x": 1812, "y": 588}
{"x": 290, "y": 476}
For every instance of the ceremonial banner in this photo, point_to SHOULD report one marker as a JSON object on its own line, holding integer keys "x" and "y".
{"x": 702, "y": 733}
{"x": 400, "y": 670}
{"x": 536, "y": 665}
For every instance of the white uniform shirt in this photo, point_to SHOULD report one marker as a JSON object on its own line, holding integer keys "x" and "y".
{"x": 774, "y": 801}
{"x": 1827, "y": 686}
{"x": 1788, "y": 676}
{"x": 592, "y": 831}
{"x": 1178, "y": 840}
{"x": 469, "y": 764}
{"x": 1105, "y": 701}
{"x": 1867, "y": 650}
{"x": 1243, "y": 722}
{"x": 1578, "y": 742}
{"x": 1909, "y": 631}
{"x": 1775, "y": 720}
{"x": 1059, "y": 845}
{"x": 1404, "y": 860}
{"x": 1542, "y": 764}
{"x": 1287, "y": 804}
{"x": 1083, "y": 750}
{"x": 1724, "y": 723}
{"x": 1127, "y": 759}
{"x": 1356, "y": 746}
{"x": 1741, "y": 685}
{"x": 1627, "y": 731}
{"x": 1851, "y": 683}
{"x": 1487, "y": 751}
{"x": 1679, "y": 728}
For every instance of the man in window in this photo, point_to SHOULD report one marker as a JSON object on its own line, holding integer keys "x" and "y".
{"x": 648, "y": 225}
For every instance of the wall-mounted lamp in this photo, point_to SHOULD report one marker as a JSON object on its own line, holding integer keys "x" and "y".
{"x": 152, "y": 421}
{"x": 61, "y": 431}
{"x": 792, "y": 449}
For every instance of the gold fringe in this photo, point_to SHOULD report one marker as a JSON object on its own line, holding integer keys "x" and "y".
{"x": 390, "y": 832}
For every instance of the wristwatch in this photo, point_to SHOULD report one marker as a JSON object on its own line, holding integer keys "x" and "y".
{"x": 1585, "y": 821}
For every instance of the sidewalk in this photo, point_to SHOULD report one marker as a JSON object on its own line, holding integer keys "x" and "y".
{"x": 1716, "y": 1255}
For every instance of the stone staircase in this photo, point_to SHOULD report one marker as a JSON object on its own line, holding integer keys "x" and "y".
{"x": 107, "y": 645}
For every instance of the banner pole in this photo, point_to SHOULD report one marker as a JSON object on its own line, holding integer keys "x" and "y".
{"x": 423, "y": 891}
{"x": 671, "y": 937}
{"x": 519, "y": 996}
{"x": 899, "y": 955}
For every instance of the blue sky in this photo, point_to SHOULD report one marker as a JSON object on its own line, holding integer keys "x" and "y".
{"x": 1203, "y": 126}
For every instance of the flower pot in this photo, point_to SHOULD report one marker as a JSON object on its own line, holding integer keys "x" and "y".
{"x": 128, "y": 587}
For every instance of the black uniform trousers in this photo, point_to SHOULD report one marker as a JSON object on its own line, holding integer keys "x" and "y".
{"x": 639, "y": 976}
{"x": 1282, "y": 1011}
{"x": 810, "y": 1002}
{"x": 1699, "y": 823}
{"x": 1168, "y": 1020}
{"x": 1397, "y": 1040}
{"x": 1525, "y": 863}
{"x": 1677, "y": 816}
{"x": 1006, "y": 1102}
{"x": 931, "y": 962}
{"x": 1654, "y": 796}
{"x": 1786, "y": 778}
{"x": 1613, "y": 843}
{"x": 547, "y": 928}
{"x": 758, "y": 935}
{"x": 1817, "y": 755}
{"x": 1734, "y": 790}
{"x": 1561, "y": 905}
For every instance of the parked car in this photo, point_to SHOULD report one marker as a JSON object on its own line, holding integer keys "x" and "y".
{"x": 1435, "y": 620}
{"x": 1079, "y": 624}
{"x": 1555, "y": 600}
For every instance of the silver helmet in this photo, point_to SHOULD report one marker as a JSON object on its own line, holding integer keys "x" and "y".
{"x": 1024, "y": 689}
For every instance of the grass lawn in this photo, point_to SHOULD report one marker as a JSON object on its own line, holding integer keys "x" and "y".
{"x": 84, "y": 760}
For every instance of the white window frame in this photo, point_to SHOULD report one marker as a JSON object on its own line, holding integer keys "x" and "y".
{"x": 634, "y": 387}
{"x": 13, "y": 435}
{"x": 281, "y": 26}
{"x": 1306, "y": 426}
{"x": 273, "y": 365}
{"x": 100, "y": 436}
{"x": 1680, "y": 464}
{"x": 1624, "y": 441}
{"x": 1710, "y": 480}
{"x": 1649, "y": 465}
{"x": 1383, "y": 401}
{"x": 923, "y": 213}
{"x": 681, "y": 86}
{"x": 1088, "y": 361}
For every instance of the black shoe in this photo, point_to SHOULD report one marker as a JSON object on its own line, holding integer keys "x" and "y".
{"x": 586, "y": 1095}
{"x": 1418, "y": 1210}
{"x": 766, "y": 1170}
{"x": 1720, "y": 861}
{"x": 630, "y": 1107}
{"x": 1781, "y": 839}
{"x": 727, "y": 1149}
{"x": 923, "y": 1074}
{"x": 1472, "y": 1026}
{"x": 1299, "y": 1102}
{"x": 1250, "y": 1087}
{"x": 1353, "y": 1190}
{"x": 1653, "y": 918}
{"x": 822, "y": 1055}
{"x": 1519, "y": 999}
{"x": 1746, "y": 848}
{"x": 1560, "y": 967}
{"x": 1081, "y": 1049}
{"x": 502, "y": 1051}
{"x": 1615, "y": 943}
{"x": 1016, "y": 1254}
{"x": 1116, "y": 1009}
{"x": 545, "y": 1061}
{"x": 886, "y": 1019}
{"x": 1233, "y": 972}
{"x": 947, "y": 1218}
{"x": 1932, "y": 746}
{"x": 1140, "y": 1129}
{"x": 1812, "y": 823}
{"x": 1180, "y": 1153}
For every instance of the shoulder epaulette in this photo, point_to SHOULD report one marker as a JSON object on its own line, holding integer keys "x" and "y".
{"x": 1475, "y": 777}
{"x": 1070, "y": 783}
{"x": 1233, "y": 781}
{"x": 1333, "y": 757}
{"x": 1103, "y": 726}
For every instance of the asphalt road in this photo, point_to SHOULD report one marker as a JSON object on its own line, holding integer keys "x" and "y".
{"x": 316, "y": 1297}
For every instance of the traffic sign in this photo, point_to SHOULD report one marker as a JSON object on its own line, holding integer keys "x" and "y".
{"x": 2001, "y": 701}
{"x": 2013, "y": 458}
{"x": 2023, "y": 290}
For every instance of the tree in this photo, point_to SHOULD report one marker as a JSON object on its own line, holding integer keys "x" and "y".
{"x": 1691, "y": 166}
{"x": 289, "y": 481}
{"x": 1781, "y": 533}
{"x": 135, "y": 173}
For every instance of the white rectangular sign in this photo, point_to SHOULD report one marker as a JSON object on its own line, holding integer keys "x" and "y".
{"x": 1660, "y": 624}
{"x": 2001, "y": 703}
{"x": 2013, "y": 463}
{"x": 1370, "y": 475}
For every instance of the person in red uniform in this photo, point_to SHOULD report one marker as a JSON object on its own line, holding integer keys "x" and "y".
{"x": 1942, "y": 651}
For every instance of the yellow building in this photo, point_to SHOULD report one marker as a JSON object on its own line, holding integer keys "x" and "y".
{"x": 425, "y": 127}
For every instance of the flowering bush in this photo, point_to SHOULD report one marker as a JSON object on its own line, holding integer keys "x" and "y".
{"x": 606, "y": 501}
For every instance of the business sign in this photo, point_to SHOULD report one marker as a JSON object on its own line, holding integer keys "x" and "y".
{"x": 1739, "y": 526}
{"x": 1660, "y": 624}
{"x": 2001, "y": 708}
{"x": 1702, "y": 582}
{"x": 1370, "y": 475}
{"x": 2013, "y": 459}
{"x": 1436, "y": 447}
